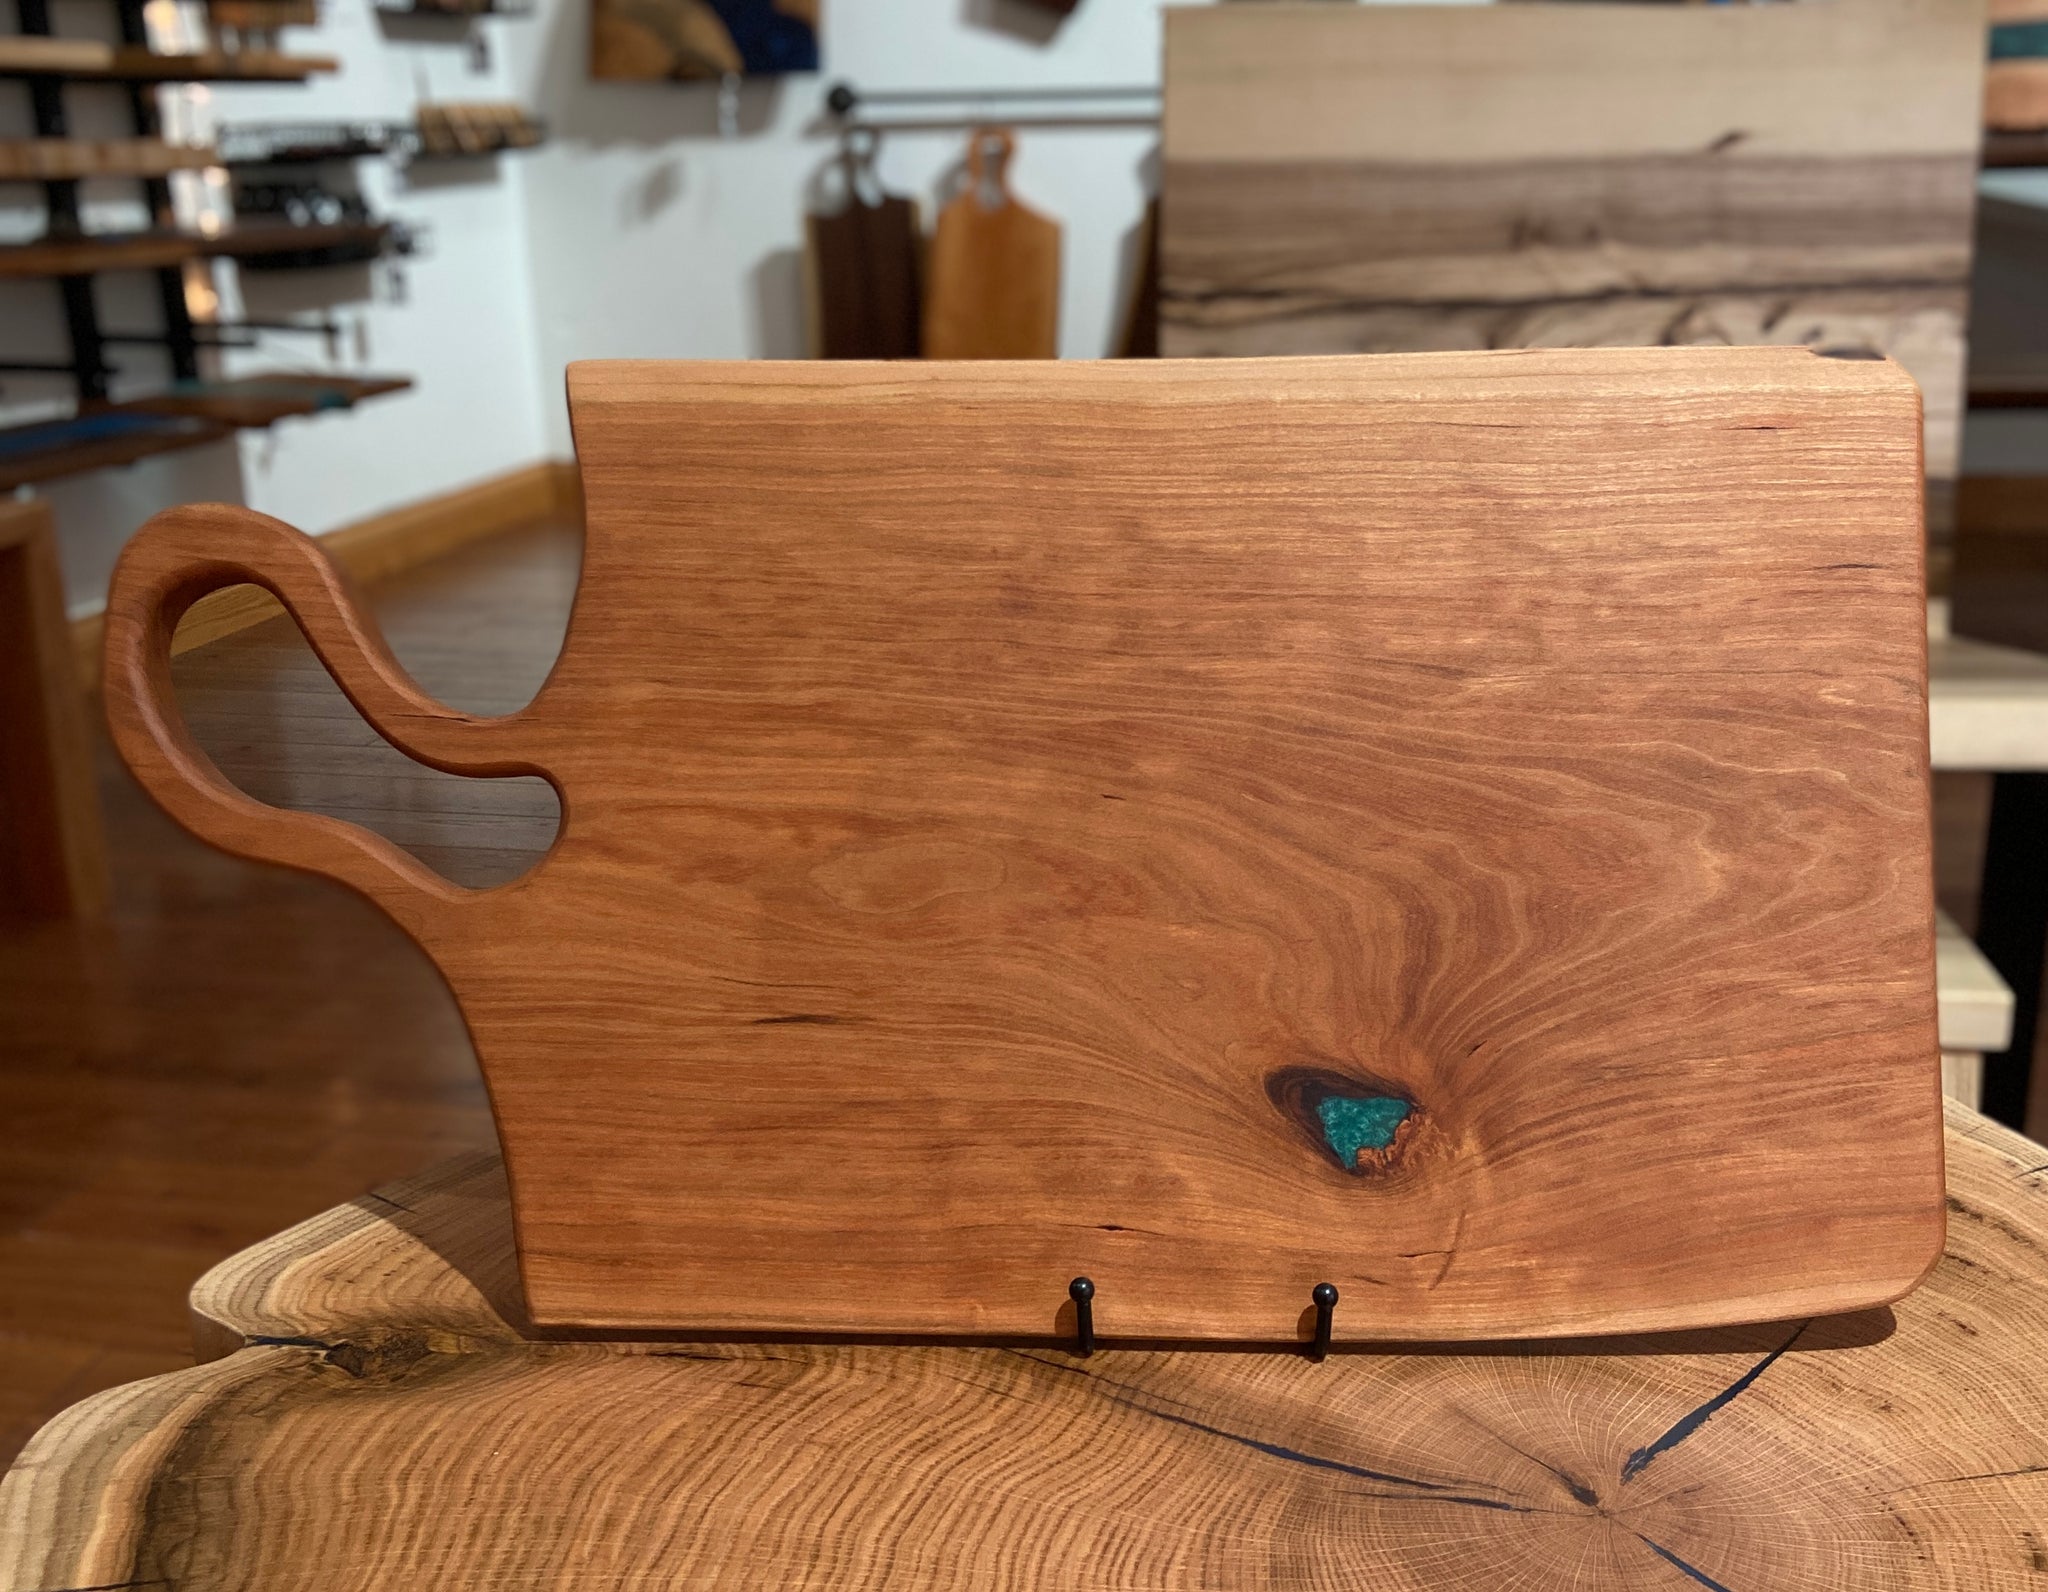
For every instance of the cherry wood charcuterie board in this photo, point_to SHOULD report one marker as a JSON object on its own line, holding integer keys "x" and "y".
{"x": 1450, "y": 825}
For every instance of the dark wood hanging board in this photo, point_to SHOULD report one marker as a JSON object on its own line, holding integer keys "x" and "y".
{"x": 1450, "y": 825}
{"x": 865, "y": 264}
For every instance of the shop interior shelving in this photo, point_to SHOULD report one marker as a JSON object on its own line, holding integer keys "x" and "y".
{"x": 196, "y": 409}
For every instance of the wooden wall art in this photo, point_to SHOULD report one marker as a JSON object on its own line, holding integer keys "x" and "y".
{"x": 1453, "y": 826}
{"x": 651, "y": 40}
{"x": 1357, "y": 178}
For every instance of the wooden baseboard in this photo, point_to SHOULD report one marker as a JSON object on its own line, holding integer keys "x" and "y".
{"x": 373, "y": 549}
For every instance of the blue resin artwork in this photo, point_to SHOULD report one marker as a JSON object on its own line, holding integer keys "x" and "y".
{"x": 1352, "y": 1124}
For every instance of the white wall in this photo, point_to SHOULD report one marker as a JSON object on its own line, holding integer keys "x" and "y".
{"x": 457, "y": 318}
{"x": 463, "y": 329}
{"x": 653, "y": 236}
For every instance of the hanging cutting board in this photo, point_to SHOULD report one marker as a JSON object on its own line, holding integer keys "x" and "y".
{"x": 1450, "y": 825}
{"x": 864, "y": 261}
{"x": 994, "y": 290}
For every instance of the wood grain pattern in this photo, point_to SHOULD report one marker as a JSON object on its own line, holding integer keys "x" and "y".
{"x": 993, "y": 287}
{"x": 53, "y": 859}
{"x": 998, "y": 799}
{"x": 1355, "y": 179}
{"x": 373, "y": 1412}
{"x": 196, "y": 1079}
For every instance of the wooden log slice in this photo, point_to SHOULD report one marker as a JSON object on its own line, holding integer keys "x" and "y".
{"x": 374, "y": 1416}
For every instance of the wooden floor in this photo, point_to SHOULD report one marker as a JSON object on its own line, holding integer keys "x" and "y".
{"x": 236, "y": 1047}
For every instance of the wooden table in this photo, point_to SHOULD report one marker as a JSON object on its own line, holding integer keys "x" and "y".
{"x": 1988, "y": 710}
{"x": 369, "y": 1413}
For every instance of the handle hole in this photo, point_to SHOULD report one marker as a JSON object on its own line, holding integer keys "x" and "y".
{"x": 482, "y": 638}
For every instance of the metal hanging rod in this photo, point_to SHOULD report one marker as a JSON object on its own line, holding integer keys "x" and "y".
{"x": 1135, "y": 105}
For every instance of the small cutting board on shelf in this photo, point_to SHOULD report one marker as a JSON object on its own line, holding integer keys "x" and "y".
{"x": 1453, "y": 826}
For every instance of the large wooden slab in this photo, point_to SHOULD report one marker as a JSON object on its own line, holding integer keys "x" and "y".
{"x": 1359, "y": 178}
{"x": 50, "y": 159}
{"x": 1454, "y": 826}
{"x": 374, "y": 1413}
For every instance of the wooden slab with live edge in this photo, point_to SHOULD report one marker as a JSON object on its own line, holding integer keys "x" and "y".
{"x": 1354, "y": 179}
{"x": 1454, "y": 826}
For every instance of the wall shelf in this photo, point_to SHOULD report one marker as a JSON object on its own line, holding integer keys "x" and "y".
{"x": 83, "y": 253}
{"x": 47, "y": 449}
{"x": 252, "y": 402}
{"x": 85, "y": 61}
{"x": 190, "y": 415}
{"x": 65, "y": 159}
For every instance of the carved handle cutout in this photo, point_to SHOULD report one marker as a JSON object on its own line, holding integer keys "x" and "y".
{"x": 179, "y": 557}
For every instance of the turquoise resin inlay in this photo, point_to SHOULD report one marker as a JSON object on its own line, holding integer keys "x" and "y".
{"x": 1352, "y": 1124}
